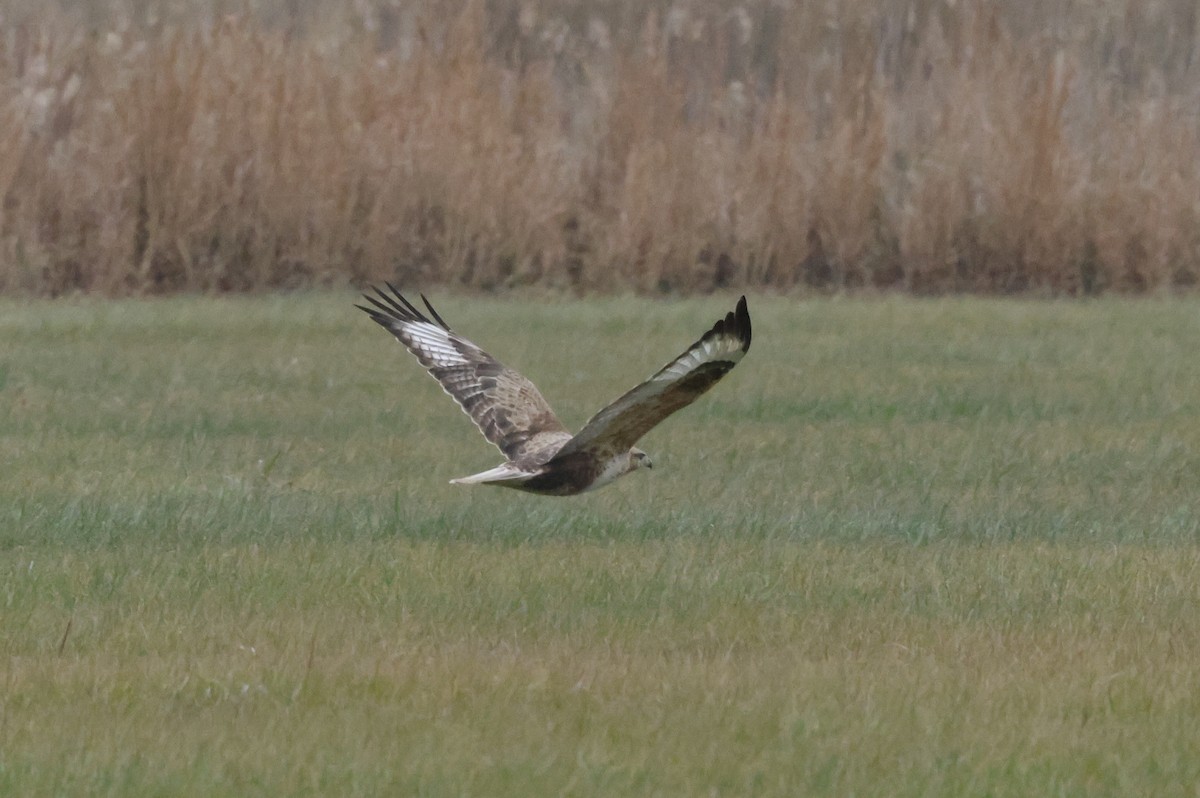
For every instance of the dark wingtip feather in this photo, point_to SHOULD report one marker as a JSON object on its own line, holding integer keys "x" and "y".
{"x": 395, "y": 307}
{"x": 377, "y": 316}
{"x": 736, "y": 324}
{"x": 435, "y": 314}
{"x": 408, "y": 306}
{"x": 742, "y": 323}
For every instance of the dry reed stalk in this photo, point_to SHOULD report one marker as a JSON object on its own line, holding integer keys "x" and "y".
{"x": 663, "y": 147}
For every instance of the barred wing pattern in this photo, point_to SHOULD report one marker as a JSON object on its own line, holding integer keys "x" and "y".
{"x": 678, "y": 384}
{"x": 508, "y": 408}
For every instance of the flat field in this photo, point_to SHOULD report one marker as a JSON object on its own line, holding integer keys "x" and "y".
{"x": 908, "y": 547}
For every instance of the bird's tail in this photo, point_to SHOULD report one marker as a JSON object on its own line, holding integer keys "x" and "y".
{"x": 501, "y": 473}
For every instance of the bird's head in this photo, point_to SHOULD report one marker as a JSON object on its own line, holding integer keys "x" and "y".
{"x": 639, "y": 459}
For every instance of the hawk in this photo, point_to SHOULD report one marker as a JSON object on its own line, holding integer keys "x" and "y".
{"x": 543, "y": 456}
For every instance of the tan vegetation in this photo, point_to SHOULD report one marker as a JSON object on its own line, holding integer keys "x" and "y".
{"x": 933, "y": 145}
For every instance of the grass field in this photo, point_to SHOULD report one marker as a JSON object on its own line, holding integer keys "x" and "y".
{"x": 907, "y": 548}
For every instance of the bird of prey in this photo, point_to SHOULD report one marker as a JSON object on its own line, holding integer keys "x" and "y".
{"x": 543, "y": 457}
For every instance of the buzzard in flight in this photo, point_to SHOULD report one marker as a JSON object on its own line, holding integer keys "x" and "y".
{"x": 543, "y": 457}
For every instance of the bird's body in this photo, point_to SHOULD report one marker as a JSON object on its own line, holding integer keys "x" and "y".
{"x": 543, "y": 456}
{"x": 573, "y": 474}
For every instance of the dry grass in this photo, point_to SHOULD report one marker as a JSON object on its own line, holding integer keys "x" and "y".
{"x": 925, "y": 146}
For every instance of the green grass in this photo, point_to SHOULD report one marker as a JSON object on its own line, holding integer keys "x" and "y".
{"x": 907, "y": 547}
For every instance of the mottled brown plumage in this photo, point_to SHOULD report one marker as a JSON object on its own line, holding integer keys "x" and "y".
{"x": 543, "y": 457}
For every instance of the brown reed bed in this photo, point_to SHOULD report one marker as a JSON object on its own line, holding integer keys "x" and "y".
{"x": 929, "y": 146}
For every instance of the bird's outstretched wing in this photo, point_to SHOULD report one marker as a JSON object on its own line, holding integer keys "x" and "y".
{"x": 508, "y": 409}
{"x": 678, "y": 384}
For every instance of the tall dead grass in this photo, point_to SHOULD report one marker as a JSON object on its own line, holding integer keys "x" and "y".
{"x": 933, "y": 145}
